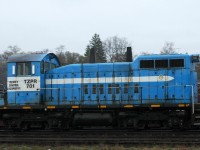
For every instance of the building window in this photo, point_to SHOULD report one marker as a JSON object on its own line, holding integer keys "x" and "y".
{"x": 161, "y": 63}
{"x": 147, "y": 64}
{"x": 177, "y": 63}
{"x": 23, "y": 69}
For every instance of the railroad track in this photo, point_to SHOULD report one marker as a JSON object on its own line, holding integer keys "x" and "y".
{"x": 101, "y": 137}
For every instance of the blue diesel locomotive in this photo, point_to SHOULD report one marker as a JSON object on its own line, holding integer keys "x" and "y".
{"x": 153, "y": 91}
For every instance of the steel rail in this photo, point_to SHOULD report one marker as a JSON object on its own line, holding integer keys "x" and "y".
{"x": 107, "y": 137}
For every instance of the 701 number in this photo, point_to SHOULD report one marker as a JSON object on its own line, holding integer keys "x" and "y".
{"x": 30, "y": 86}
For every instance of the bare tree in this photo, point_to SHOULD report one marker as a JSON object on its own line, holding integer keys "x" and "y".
{"x": 10, "y": 51}
{"x": 4, "y": 57}
{"x": 73, "y": 58}
{"x": 168, "y": 48}
{"x": 14, "y": 49}
{"x": 146, "y": 53}
{"x": 67, "y": 57}
{"x": 60, "y": 54}
{"x": 41, "y": 52}
{"x": 3, "y": 71}
{"x": 115, "y": 49}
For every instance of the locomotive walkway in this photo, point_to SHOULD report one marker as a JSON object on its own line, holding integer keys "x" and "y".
{"x": 101, "y": 137}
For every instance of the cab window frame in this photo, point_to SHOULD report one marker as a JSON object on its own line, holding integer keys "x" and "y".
{"x": 23, "y": 68}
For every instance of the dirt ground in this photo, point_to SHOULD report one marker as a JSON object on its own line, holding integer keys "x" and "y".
{"x": 100, "y": 147}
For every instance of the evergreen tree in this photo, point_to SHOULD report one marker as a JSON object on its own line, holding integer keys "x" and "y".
{"x": 97, "y": 46}
{"x": 87, "y": 54}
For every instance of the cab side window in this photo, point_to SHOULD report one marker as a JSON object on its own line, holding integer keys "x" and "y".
{"x": 53, "y": 66}
{"x": 23, "y": 69}
{"x": 44, "y": 66}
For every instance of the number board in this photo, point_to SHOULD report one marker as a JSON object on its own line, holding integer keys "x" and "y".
{"x": 23, "y": 83}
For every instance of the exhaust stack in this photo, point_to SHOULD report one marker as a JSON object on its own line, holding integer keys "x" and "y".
{"x": 92, "y": 56}
{"x": 129, "y": 54}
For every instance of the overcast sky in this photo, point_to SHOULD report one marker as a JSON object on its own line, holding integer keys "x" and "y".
{"x": 34, "y": 25}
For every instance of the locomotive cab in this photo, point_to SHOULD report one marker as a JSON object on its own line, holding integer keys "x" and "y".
{"x": 25, "y": 78}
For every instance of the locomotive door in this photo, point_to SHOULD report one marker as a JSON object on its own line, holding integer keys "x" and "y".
{"x": 187, "y": 76}
{"x": 152, "y": 87}
{"x": 161, "y": 86}
{"x": 124, "y": 87}
{"x": 135, "y": 88}
{"x": 179, "y": 87}
{"x": 55, "y": 90}
{"x": 94, "y": 83}
{"x": 178, "y": 92}
{"x": 102, "y": 91}
{"x": 109, "y": 89}
{"x": 143, "y": 88}
{"x": 76, "y": 87}
{"x": 86, "y": 88}
{"x": 117, "y": 88}
{"x": 46, "y": 95}
{"x": 67, "y": 89}
{"x": 170, "y": 88}
{"x": 51, "y": 91}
